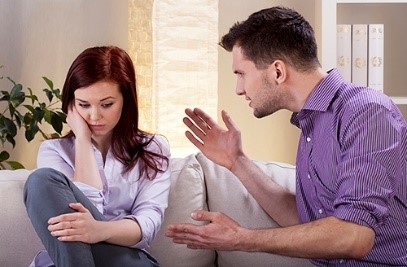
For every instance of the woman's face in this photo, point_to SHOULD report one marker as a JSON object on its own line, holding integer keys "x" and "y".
{"x": 100, "y": 105}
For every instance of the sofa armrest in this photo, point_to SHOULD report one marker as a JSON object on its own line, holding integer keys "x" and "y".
{"x": 19, "y": 242}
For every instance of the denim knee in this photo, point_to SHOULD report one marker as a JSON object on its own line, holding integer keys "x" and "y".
{"x": 39, "y": 180}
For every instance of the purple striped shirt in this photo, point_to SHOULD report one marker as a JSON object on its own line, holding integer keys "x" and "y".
{"x": 351, "y": 164}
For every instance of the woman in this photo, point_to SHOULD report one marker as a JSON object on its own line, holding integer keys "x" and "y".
{"x": 99, "y": 193}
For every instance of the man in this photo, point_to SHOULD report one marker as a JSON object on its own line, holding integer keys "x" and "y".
{"x": 350, "y": 206}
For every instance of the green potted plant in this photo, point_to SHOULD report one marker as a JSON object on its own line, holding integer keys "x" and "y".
{"x": 21, "y": 109}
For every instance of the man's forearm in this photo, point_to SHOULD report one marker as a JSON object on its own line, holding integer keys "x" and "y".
{"x": 278, "y": 202}
{"x": 328, "y": 238}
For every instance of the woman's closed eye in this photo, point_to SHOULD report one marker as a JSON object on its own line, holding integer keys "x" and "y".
{"x": 84, "y": 105}
{"x": 107, "y": 105}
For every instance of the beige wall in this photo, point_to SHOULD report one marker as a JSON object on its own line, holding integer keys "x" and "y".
{"x": 42, "y": 37}
{"x": 273, "y": 137}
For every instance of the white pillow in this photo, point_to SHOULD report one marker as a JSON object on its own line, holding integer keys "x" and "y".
{"x": 187, "y": 193}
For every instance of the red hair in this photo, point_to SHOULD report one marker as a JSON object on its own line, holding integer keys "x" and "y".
{"x": 129, "y": 144}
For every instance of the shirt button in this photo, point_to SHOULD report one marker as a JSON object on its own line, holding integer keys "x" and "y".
{"x": 341, "y": 261}
{"x": 308, "y": 139}
{"x": 320, "y": 211}
{"x": 309, "y": 177}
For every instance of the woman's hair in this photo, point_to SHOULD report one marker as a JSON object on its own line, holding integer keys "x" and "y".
{"x": 129, "y": 145}
{"x": 274, "y": 33}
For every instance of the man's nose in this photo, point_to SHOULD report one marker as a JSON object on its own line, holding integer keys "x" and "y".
{"x": 239, "y": 89}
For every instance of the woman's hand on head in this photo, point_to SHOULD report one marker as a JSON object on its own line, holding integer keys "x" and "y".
{"x": 76, "y": 226}
{"x": 78, "y": 124}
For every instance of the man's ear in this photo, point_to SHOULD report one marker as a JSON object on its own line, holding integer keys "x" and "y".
{"x": 279, "y": 70}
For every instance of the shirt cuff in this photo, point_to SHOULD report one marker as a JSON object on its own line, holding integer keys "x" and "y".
{"x": 94, "y": 195}
{"x": 358, "y": 216}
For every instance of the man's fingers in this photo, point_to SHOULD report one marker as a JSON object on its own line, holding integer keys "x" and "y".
{"x": 202, "y": 215}
{"x": 201, "y": 119}
{"x": 205, "y": 118}
{"x": 228, "y": 121}
{"x": 193, "y": 140}
{"x": 197, "y": 131}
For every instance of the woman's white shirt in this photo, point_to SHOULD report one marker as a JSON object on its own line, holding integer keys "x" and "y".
{"x": 123, "y": 195}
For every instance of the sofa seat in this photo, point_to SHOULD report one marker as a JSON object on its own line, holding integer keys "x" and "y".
{"x": 196, "y": 183}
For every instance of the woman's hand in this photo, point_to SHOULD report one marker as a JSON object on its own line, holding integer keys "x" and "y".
{"x": 221, "y": 146}
{"x": 78, "y": 124}
{"x": 77, "y": 226}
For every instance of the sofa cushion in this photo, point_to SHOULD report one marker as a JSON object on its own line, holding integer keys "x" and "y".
{"x": 226, "y": 194}
{"x": 187, "y": 193}
{"x": 15, "y": 251}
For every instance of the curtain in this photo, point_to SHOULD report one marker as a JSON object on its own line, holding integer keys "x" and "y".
{"x": 175, "y": 52}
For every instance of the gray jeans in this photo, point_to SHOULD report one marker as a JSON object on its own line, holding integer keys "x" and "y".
{"x": 47, "y": 194}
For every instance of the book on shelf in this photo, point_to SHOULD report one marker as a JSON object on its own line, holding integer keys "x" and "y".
{"x": 363, "y": 46}
{"x": 376, "y": 46}
{"x": 360, "y": 54}
{"x": 343, "y": 51}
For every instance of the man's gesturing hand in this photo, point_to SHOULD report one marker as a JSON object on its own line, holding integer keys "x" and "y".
{"x": 220, "y": 233}
{"x": 219, "y": 145}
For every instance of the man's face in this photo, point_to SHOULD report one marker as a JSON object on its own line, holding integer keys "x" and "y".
{"x": 262, "y": 92}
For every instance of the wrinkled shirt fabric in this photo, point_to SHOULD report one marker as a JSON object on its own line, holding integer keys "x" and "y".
{"x": 351, "y": 164}
{"x": 124, "y": 196}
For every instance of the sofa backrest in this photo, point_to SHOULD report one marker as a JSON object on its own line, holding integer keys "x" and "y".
{"x": 226, "y": 194}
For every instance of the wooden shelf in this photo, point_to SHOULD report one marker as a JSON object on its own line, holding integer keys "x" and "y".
{"x": 399, "y": 100}
{"x": 370, "y": 1}
{"x": 328, "y": 13}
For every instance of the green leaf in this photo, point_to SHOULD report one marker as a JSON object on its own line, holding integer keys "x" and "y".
{"x": 47, "y": 116}
{"x": 30, "y": 108}
{"x": 57, "y": 93}
{"x": 17, "y": 97}
{"x": 62, "y": 115}
{"x": 18, "y": 120}
{"x": 49, "y": 82}
{"x": 49, "y": 94}
{"x": 56, "y": 122}
{"x": 10, "y": 126}
{"x": 4, "y": 155}
{"x": 31, "y": 131}
{"x": 15, "y": 165}
{"x": 11, "y": 109}
{"x": 6, "y": 96}
{"x": 11, "y": 140}
{"x": 23, "y": 109}
{"x": 16, "y": 93}
{"x": 33, "y": 98}
{"x": 38, "y": 114}
{"x": 28, "y": 117}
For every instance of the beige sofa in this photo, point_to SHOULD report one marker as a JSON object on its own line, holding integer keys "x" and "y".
{"x": 197, "y": 183}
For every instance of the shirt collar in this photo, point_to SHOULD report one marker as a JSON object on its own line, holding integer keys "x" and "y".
{"x": 321, "y": 96}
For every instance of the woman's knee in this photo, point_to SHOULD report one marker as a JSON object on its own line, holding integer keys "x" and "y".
{"x": 41, "y": 179}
